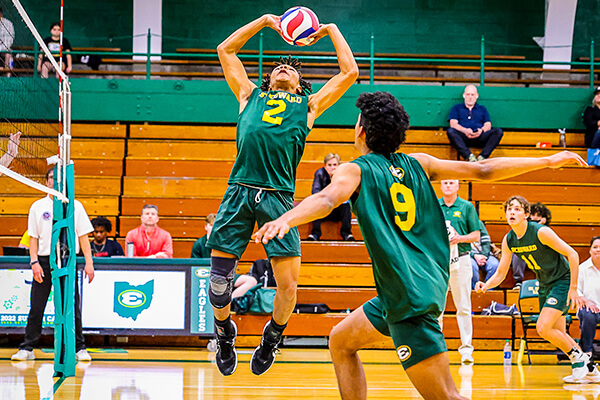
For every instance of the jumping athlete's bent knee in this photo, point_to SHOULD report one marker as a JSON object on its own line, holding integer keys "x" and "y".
{"x": 221, "y": 281}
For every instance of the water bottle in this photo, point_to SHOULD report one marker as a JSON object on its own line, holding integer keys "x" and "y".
{"x": 130, "y": 249}
{"x": 507, "y": 353}
{"x": 563, "y": 139}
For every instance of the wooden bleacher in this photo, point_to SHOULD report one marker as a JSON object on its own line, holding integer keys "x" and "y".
{"x": 184, "y": 169}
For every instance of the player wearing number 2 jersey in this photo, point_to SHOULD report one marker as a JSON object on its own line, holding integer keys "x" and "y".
{"x": 544, "y": 252}
{"x": 274, "y": 121}
{"x": 404, "y": 232}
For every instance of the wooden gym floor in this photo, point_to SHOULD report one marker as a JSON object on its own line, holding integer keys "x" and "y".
{"x": 297, "y": 374}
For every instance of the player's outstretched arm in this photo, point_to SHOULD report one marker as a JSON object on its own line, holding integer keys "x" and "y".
{"x": 548, "y": 237}
{"x": 493, "y": 168}
{"x": 343, "y": 184}
{"x": 12, "y": 149}
{"x": 336, "y": 86}
{"x": 233, "y": 69}
{"x": 500, "y": 273}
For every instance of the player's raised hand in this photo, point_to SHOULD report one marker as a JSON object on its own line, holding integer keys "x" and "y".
{"x": 319, "y": 34}
{"x": 565, "y": 157}
{"x": 271, "y": 229}
{"x": 13, "y": 144}
{"x": 273, "y": 22}
{"x": 479, "y": 287}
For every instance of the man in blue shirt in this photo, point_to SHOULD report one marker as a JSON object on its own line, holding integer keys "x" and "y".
{"x": 470, "y": 126}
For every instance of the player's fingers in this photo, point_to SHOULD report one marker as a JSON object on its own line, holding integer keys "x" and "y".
{"x": 257, "y": 235}
{"x": 580, "y": 161}
{"x": 269, "y": 234}
{"x": 282, "y": 232}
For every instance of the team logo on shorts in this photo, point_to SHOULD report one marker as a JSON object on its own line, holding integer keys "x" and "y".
{"x": 46, "y": 216}
{"x": 404, "y": 353}
{"x": 552, "y": 301}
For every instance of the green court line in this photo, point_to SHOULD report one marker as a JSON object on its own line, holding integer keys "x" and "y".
{"x": 93, "y": 351}
{"x": 55, "y": 388}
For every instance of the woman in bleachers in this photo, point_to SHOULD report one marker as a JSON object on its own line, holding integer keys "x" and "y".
{"x": 591, "y": 120}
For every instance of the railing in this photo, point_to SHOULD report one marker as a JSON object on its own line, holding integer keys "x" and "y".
{"x": 371, "y": 59}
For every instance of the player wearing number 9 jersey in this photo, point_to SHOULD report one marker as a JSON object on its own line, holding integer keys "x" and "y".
{"x": 544, "y": 253}
{"x": 404, "y": 232}
{"x": 274, "y": 121}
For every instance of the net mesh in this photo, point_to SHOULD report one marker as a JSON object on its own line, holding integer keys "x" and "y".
{"x": 28, "y": 103}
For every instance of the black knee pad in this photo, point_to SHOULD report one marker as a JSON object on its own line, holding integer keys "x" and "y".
{"x": 221, "y": 281}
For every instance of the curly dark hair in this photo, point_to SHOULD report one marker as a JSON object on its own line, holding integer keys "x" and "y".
{"x": 542, "y": 211}
{"x": 384, "y": 121}
{"x": 103, "y": 222}
{"x": 294, "y": 63}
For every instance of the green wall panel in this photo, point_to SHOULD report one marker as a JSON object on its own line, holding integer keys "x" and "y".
{"x": 87, "y": 23}
{"x": 400, "y": 26}
{"x": 587, "y": 21}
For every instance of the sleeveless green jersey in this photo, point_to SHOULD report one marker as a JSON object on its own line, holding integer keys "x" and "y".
{"x": 405, "y": 234}
{"x": 271, "y": 134}
{"x": 548, "y": 264}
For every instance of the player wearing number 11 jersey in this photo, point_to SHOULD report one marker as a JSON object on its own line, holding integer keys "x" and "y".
{"x": 556, "y": 265}
{"x": 274, "y": 121}
{"x": 405, "y": 234}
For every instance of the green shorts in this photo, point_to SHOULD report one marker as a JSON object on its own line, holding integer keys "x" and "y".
{"x": 415, "y": 339}
{"x": 243, "y": 207}
{"x": 555, "y": 295}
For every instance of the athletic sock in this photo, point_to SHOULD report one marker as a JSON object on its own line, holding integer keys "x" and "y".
{"x": 224, "y": 327}
{"x": 577, "y": 356}
{"x": 277, "y": 327}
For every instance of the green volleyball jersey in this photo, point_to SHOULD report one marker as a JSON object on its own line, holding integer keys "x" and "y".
{"x": 548, "y": 264}
{"x": 271, "y": 134}
{"x": 463, "y": 218}
{"x": 405, "y": 234}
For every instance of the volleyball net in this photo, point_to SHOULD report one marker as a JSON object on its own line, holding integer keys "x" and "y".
{"x": 35, "y": 134}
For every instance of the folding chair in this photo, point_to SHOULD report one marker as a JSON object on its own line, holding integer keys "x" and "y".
{"x": 530, "y": 312}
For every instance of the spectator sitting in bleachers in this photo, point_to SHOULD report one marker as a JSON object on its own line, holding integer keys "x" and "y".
{"x": 542, "y": 215}
{"x": 342, "y": 213}
{"x": 149, "y": 240}
{"x": 591, "y": 120}
{"x": 7, "y": 36}
{"x": 588, "y": 286}
{"x": 199, "y": 249}
{"x": 53, "y": 42}
{"x": 482, "y": 257}
{"x": 470, "y": 126}
{"x": 101, "y": 245}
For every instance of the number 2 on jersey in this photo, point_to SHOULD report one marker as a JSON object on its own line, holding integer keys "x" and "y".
{"x": 268, "y": 115}
{"x": 407, "y": 206}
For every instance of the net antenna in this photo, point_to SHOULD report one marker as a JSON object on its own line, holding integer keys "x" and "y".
{"x": 34, "y": 147}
